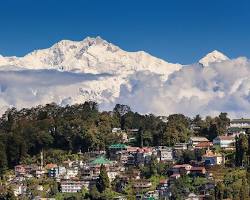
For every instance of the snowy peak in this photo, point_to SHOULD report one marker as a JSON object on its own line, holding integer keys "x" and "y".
{"x": 91, "y": 55}
{"x": 66, "y": 54}
{"x": 214, "y": 56}
{"x": 85, "y": 43}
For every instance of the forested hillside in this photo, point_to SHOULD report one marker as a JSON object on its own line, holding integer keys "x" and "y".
{"x": 24, "y": 133}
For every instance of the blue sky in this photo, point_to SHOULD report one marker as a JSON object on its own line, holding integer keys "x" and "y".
{"x": 177, "y": 31}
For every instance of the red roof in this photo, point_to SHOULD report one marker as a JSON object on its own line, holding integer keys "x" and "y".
{"x": 50, "y": 166}
{"x": 132, "y": 149}
{"x": 182, "y": 166}
{"x": 197, "y": 169}
{"x": 224, "y": 137}
{"x": 211, "y": 154}
{"x": 163, "y": 181}
{"x": 144, "y": 150}
{"x": 204, "y": 145}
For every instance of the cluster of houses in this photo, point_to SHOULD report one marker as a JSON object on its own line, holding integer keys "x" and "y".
{"x": 73, "y": 176}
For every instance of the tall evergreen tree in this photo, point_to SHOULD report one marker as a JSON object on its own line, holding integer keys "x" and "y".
{"x": 241, "y": 152}
{"x": 3, "y": 159}
{"x": 103, "y": 181}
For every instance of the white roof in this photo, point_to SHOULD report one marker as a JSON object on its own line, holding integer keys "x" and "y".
{"x": 199, "y": 139}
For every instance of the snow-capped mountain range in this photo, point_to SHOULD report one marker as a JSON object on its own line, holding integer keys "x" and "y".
{"x": 94, "y": 69}
{"x": 92, "y": 55}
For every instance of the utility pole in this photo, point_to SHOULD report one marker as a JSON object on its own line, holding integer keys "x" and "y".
{"x": 141, "y": 135}
{"x": 41, "y": 159}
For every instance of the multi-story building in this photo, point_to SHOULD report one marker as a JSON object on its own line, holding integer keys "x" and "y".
{"x": 203, "y": 145}
{"x": 193, "y": 141}
{"x": 56, "y": 171}
{"x": 178, "y": 169}
{"x": 240, "y": 123}
{"x": 20, "y": 170}
{"x": 115, "y": 151}
{"x": 180, "y": 146}
{"x": 24, "y": 170}
{"x": 224, "y": 141}
{"x": 142, "y": 185}
{"x": 71, "y": 172}
{"x": 210, "y": 158}
{"x": 71, "y": 186}
{"x": 164, "y": 153}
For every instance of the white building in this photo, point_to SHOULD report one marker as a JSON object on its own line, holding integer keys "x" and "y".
{"x": 165, "y": 153}
{"x": 180, "y": 146}
{"x": 193, "y": 141}
{"x": 55, "y": 172}
{"x": 71, "y": 172}
{"x": 71, "y": 186}
{"x": 224, "y": 141}
{"x": 112, "y": 174}
{"x": 240, "y": 123}
{"x": 235, "y": 131}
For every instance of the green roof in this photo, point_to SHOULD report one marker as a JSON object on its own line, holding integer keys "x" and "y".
{"x": 118, "y": 146}
{"x": 100, "y": 161}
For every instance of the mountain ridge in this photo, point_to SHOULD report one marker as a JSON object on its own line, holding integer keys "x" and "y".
{"x": 91, "y": 55}
{"x": 93, "y": 69}
{"x": 82, "y": 56}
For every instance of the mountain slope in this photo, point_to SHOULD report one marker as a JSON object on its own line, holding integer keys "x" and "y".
{"x": 92, "y": 55}
{"x": 91, "y": 69}
{"x": 212, "y": 57}
{"x": 73, "y": 72}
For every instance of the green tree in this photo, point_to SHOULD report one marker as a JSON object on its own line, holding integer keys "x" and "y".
{"x": 94, "y": 193}
{"x": 219, "y": 191}
{"x": 153, "y": 166}
{"x": 222, "y": 123}
{"x": 241, "y": 152}
{"x": 244, "y": 191}
{"x": 177, "y": 129}
{"x": 103, "y": 181}
{"x": 10, "y": 195}
{"x": 3, "y": 159}
{"x": 188, "y": 155}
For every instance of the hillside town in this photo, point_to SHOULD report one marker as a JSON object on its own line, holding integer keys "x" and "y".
{"x": 124, "y": 100}
{"x": 139, "y": 172}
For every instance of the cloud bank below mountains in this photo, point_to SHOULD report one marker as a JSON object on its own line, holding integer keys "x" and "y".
{"x": 219, "y": 87}
{"x": 194, "y": 89}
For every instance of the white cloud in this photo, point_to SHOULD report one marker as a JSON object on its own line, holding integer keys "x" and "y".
{"x": 219, "y": 87}
{"x": 194, "y": 89}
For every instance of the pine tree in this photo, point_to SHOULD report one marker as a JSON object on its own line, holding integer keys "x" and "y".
{"x": 153, "y": 166}
{"x": 103, "y": 180}
{"x": 241, "y": 145}
{"x": 244, "y": 191}
{"x": 3, "y": 159}
{"x": 237, "y": 151}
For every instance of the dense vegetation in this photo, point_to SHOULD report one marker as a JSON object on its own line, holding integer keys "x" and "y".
{"x": 24, "y": 133}
{"x": 63, "y": 131}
